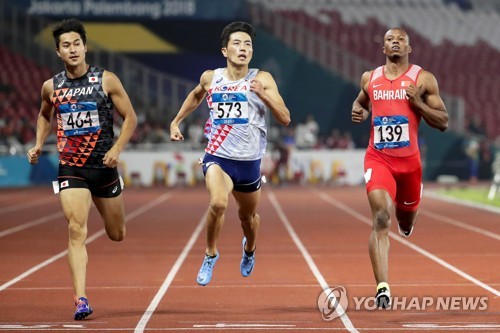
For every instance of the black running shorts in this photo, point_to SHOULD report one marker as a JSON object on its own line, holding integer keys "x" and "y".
{"x": 103, "y": 183}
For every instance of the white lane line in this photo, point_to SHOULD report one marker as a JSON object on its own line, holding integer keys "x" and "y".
{"x": 31, "y": 224}
{"x": 11, "y": 195}
{"x": 90, "y": 239}
{"x": 459, "y": 224}
{"x": 141, "y": 325}
{"x": 225, "y": 325}
{"x": 403, "y": 241}
{"x": 454, "y": 326}
{"x": 310, "y": 262}
{"x": 260, "y": 286}
{"x": 24, "y": 205}
{"x": 66, "y": 328}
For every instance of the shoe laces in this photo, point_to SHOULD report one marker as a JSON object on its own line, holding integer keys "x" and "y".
{"x": 208, "y": 263}
{"x": 249, "y": 258}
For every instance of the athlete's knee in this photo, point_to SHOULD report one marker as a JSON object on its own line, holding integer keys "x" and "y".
{"x": 77, "y": 231}
{"x": 381, "y": 220}
{"x": 252, "y": 219}
{"x": 218, "y": 206}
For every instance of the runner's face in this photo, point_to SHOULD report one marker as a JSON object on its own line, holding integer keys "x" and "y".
{"x": 396, "y": 43}
{"x": 71, "y": 49}
{"x": 239, "y": 49}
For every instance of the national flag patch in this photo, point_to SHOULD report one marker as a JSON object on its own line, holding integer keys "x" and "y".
{"x": 93, "y": 79}
{"x": 65, "y": 184}
{"x": 405, "y": 83}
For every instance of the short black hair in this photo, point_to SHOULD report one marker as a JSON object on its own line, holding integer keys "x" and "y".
{"x": 236, "y": 27}
{"x": 69, "y": 25}
{"x": 400, "y": 29}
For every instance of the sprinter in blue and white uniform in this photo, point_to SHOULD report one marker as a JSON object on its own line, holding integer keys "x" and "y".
{"x": 238, "y": 98}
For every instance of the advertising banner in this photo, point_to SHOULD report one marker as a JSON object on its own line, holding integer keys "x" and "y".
{"x": 136, "y": 9}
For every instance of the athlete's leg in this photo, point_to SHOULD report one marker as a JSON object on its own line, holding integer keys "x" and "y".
{"x": 113, "y": 214}
{"x": 408, "y": 198}
{"x": 76, "y": 206}
{"x": 406, "y": 219}
{"x": 381, "y": 206}
{"x": 250, "y": 220}
{"x": 219, "y": 185}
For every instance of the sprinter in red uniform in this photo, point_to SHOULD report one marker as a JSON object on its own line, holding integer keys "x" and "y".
{"x": 398, "y": 95}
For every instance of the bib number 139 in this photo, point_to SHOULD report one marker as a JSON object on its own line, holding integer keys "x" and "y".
{"x": 391, "y": 132}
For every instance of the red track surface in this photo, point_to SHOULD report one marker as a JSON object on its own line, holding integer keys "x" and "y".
{"x": 308, "y": 236}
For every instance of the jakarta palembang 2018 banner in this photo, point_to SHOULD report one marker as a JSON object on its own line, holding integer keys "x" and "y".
{"x": 137, "y": 9}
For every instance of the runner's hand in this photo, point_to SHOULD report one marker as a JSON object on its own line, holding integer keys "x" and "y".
{"x": 414, "y": 94}
{"x": 257, "y": 87}
{"x": 111, "y": 158}
{"x": 33, "y": 155}
{"x": 175, "y": 133}
{"x": 358, "y": 114}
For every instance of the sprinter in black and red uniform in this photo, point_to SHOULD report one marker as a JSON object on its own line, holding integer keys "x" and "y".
{"x": 83, "y": 98}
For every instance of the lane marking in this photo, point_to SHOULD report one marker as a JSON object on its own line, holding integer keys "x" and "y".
{"x": 12, "y": 195}
{"x": 238, "y": 329}
{"x": 403, "y": 241}
{"x": 239, "y": 286}
{"x": 30, "y": 204}
{"x": 141, "y": 325}
{"x": 224, "y": 325}
{"x": 31, "y": 224}
{"x": 310, "y": 262}
{"x": 438, "y": 325}
{"x": 459, "y": 224}
{"x": 90, "y": 239}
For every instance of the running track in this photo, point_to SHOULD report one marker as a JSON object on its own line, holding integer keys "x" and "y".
{"x": 311, "y": 238}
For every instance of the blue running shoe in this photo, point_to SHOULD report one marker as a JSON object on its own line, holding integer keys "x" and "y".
{"x": 83, "y": 310}
{"x": 205, "y": 273}
{"x": 247, "y": 262}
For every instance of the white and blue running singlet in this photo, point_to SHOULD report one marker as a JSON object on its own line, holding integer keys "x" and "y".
{"x": 237, "y": 126}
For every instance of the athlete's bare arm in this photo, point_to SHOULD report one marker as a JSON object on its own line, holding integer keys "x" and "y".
{"x": 266, "y": 89}
{"x": 114, "y": 89}
{"x": 360, "y": 106}
{"x": 44, "y": 122}
{"x": 192, "y": 101}
{"x": 426, "y": 100}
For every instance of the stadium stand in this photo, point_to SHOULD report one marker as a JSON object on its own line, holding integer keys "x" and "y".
{"x": 20, "y": 81}
{"x": 460, "y": 46}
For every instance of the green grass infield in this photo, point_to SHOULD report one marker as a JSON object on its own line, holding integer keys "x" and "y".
{"x": 474, "y": 194}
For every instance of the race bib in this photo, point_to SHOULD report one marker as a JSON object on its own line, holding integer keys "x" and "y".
{"x": 391, "y": 132}
{"x": 230, "y": 108}
{"x": 80, "y": 118}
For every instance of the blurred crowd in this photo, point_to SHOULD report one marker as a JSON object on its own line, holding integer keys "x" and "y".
{"x": 482, "y": 152}
{"x": 16, "y": 133}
